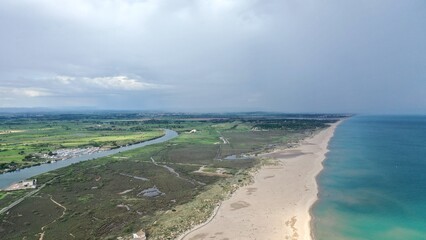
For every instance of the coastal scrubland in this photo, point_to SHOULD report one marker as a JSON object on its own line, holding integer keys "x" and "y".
{"x": 24, "y": 140}
{"x": 162, "y": 189}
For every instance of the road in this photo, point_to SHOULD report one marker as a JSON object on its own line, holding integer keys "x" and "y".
{"x": 6, "y": 209}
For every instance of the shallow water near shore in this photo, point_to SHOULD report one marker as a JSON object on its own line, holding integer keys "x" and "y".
{"x": 373, "y": 185}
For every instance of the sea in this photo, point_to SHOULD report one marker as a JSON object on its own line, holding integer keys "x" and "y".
{"x": 373, "y": 185}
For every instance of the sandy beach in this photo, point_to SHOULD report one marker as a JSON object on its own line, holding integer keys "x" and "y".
{"x": 277, "y": 204}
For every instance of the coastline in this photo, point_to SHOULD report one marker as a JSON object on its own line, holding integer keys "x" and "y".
{"x": 311, "y": 220}
{"x": 277, "y": 205}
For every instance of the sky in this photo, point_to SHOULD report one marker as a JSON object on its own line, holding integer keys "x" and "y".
{"x": 346, "y": 56}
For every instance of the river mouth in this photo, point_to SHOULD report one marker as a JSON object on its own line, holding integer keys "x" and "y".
{"x": 9, "y": 178}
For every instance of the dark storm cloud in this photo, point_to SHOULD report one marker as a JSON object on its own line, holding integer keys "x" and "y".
{"x": 213, "y": 55}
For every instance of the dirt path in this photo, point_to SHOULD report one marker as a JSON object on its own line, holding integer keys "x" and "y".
{"x": 60, "y": 205}
{"x": 63, "y": 214}
{"x": 24, "y": 197}
{"x": 219, "y": 150}
{"x": 215, "y": 211}
{"x": 276, "y": 205}
{"x": 171, "y": 170}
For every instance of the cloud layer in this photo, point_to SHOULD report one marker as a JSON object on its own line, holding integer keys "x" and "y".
{"x": 107, "y": 83}
{"x": 214, "y": 55}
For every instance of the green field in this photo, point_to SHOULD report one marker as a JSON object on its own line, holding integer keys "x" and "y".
{"x": 24, "y": 137}
{"x": 104, "y": 197}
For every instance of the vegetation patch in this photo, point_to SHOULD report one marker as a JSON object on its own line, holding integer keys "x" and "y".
{"x": 162, "y": 189}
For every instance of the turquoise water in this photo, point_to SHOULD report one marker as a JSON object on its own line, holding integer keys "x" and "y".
{"x": 373, "y": 185}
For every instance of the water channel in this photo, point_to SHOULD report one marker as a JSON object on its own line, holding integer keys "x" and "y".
{"x": 7, "y": 179}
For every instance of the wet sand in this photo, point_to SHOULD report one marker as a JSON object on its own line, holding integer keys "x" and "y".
{"x": 277, "y": 204}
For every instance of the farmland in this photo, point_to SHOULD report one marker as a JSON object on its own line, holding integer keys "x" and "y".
{"x": 24, "y": 139}
{"x": 105, "y": 198}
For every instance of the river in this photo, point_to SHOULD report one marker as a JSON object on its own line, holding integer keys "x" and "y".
{"x": 7, "y": 179}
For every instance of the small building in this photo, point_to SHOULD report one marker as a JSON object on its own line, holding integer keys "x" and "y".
{"x": 30, "y": 183}
{"x": 139, "y": 235}
{"x": 22, "y": 185}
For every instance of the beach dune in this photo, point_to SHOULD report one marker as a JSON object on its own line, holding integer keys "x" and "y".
{"x": 277, "y": 205}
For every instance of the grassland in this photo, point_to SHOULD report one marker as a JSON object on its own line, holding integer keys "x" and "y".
{"x": 103, "y": 197}
{"x": 21, "y": 138}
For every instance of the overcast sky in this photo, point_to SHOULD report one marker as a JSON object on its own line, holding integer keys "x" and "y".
{"x": 363, "y": 56}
